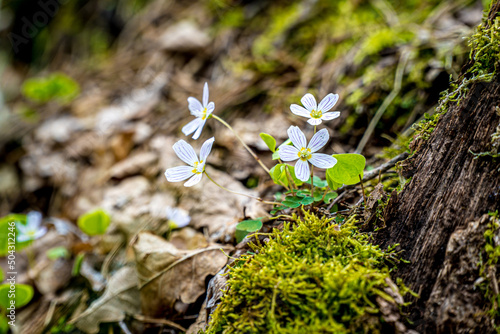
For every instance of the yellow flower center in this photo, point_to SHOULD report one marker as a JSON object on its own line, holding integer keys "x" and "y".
{"x": 198, "y": 167}
{"x": 204, "y": 114}
{"x": 305, "y": 154}
{"x": 31, "y": 233}
{"x": 316, "y": 113}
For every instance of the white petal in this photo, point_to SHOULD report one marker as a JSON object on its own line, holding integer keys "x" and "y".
{"x": 23, "y": 237}
{"x": 206, "y": 148}
{"x": 21, "y": 228}
{"x": 321, "y": 160}
{"x": 33, "y": 219}
{"x": 328, "y": 102}
{"x": 195, "y": 106}
{"x": 180, "y": 173}
{"x": 309, "y": 102}
{"x": 205, "y": 95}
{"x": 210, "y": 108}
{"x": 319, "y": 140}
{"x": 185, "y": 152}
{"x": 288, "y": 153}
{"x": 191, "y": 126}
{"x": 314, "y": 121}
{"x": 302, "y": 170}
{"x": 298, "y": 138}
{"x": 330, "y": 115}
{"x": 200, "y": 128}
{"x": 40, "y": 232}
{"x": 300, "y": 111}
{"x": 194, "y": 180}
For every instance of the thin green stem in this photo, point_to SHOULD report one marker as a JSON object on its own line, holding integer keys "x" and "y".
{"x": 324, "y": 195}
{"x": 362, "y": 188}
{"x": 312, "y": 183}
{"x": 252, "y": 153}
{"x": 242, "y": 194}
{"x": 315, "y": 129}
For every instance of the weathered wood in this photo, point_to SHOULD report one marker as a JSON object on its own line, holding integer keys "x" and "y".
{"x": 448, "y": 189}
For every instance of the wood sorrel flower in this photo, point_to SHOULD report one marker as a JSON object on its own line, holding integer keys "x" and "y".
{"x": 202, "y": 112}
{"x": 33, "y": 229}
{"x": 306, "y": 153}
{"x": 316, "y": 113}
{"x": 177, "y": 218}
{"x": 196, "y": 167}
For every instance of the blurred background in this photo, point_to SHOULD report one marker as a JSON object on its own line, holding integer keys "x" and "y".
{"x": 93, "y": 95}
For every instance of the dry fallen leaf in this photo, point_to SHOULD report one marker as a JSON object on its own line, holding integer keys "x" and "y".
{"x": 171, "y": 278}
{"x": 121, "y": 297}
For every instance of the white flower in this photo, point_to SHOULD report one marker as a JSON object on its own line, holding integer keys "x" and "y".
{"x": 196, "y": 167}
{"x": 316, "y": 113}
{"x": 177, "y": 218}
{"x": 202, "y": 112}
{"x": 306, "y": 153}
{"x": 33, "y": 228}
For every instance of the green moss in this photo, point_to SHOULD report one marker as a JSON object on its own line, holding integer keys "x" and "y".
{"x": 487, "y": 268}
{"x": 314, "y": 278}
{"x": 485, "y": 52}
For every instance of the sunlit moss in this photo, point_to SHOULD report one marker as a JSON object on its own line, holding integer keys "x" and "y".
{"x": 312, "y": 278}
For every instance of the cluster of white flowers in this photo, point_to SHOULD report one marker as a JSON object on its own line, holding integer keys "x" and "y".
{"x": 301, "y": 151}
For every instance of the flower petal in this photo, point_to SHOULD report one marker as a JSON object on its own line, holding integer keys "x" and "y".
{"x": 206, "y": 148}
{"x": 180, "y": 173}
{"x": 191, "y": 126}
{"x": 321, "y": 160}
{"x": 33, "y": 219}
{"x": 21, "y": 228}
{"x": 288, "y": 153}
{"x": 198, "y": 131}
{"x": 194, "y": 180}
{"x": 298, "y": 138}
{"x": 330, "y": 115}
{"x": 40, "y": 232}
{"x": 24, "y": 237}
{"x": 195, "y": 106}
{"x": 302, "y": 170}
{"x": 328, "y": 102}
{"x": 210, "y": 108}
{"x": 314, "y": 121}
{"x": 319, "y": 140}
{"x": 185, "y": 152}
{"x": 309, "y": 102}
{"x": 300, "y": 111}
{"x": 205, "y": 95}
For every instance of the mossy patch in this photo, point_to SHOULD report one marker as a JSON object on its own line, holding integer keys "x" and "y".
{"x": 316, "y": 277}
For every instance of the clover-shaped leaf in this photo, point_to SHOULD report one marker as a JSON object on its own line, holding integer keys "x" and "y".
{"x": 269, "y": 140}
{"x": 95, "y": 222}
{"x": 347, "y": 170}
{"x": 247, "y": 226}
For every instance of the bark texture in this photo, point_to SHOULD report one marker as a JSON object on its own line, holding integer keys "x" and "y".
{"x": 448, "y": 190}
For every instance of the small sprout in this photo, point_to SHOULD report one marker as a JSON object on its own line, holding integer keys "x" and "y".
{"x": 316, "y": 113}
{"x": 94, "y": 223}
{"x": 196, "y": 167}
{"x": 306, "y": 153}
{"x": 177, "y": 218}
{"x": 33, "y": 229}
{"x": 202, "y": 112}
{"x": 59, "y": 252}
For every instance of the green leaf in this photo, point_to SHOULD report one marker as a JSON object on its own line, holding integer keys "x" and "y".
{"x": 247, "y": 226}
{"x": 95, "y": 222}
{"x": 307, "y": 200}
{"x": 346, "y": 171}
{"x": 56, "y": 86}
{"x": 8, "y": 224}
{"x": 269, "y": 140}
{"x": 291, "y": 204}
{"x": 279, "y": 175}
{"x": 330, "y": 196}
{"x": 57, "y": 253}
{"x": 2, "y": 275}
{"x": 19, "y": 294}
{"x": 77, "y": 264}
{"x": 318, "y": 195}
{"x": 4, "y": 325}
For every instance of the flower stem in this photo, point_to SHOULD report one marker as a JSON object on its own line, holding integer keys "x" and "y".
{"x": 362, "y": 188}
{"x": 315, "y": 129}
{"x": 252, "y": 153}
{"x": 238, "y": 193}
{"x": 312, "y": 183}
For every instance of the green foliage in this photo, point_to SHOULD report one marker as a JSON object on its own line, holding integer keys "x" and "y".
{"x": 4, "y": 325}
{"x": 19, "y": 294}
{"x": 247, "y": 226}
{"x": 347, "y": 170}
{"x": 77, "y": 265}
{"x": 57, "y": 86}
{"x": 283, "y": 173}
{"x": 269, "y": 140}
{"x": 314, "y": 278}
{"x": 58, "y": 253}
{"x": 276, "y": 155}
{"x": 95, "y": 222}
{"x": 8, "y": 229}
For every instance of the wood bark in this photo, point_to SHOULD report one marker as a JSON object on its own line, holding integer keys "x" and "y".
{"x": 449, "y": 192}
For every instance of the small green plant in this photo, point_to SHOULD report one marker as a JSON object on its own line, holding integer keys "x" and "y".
{"x": 247, "y": 226}
{"x": 94, "y": 223}
{"x": 57, "y": 86}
